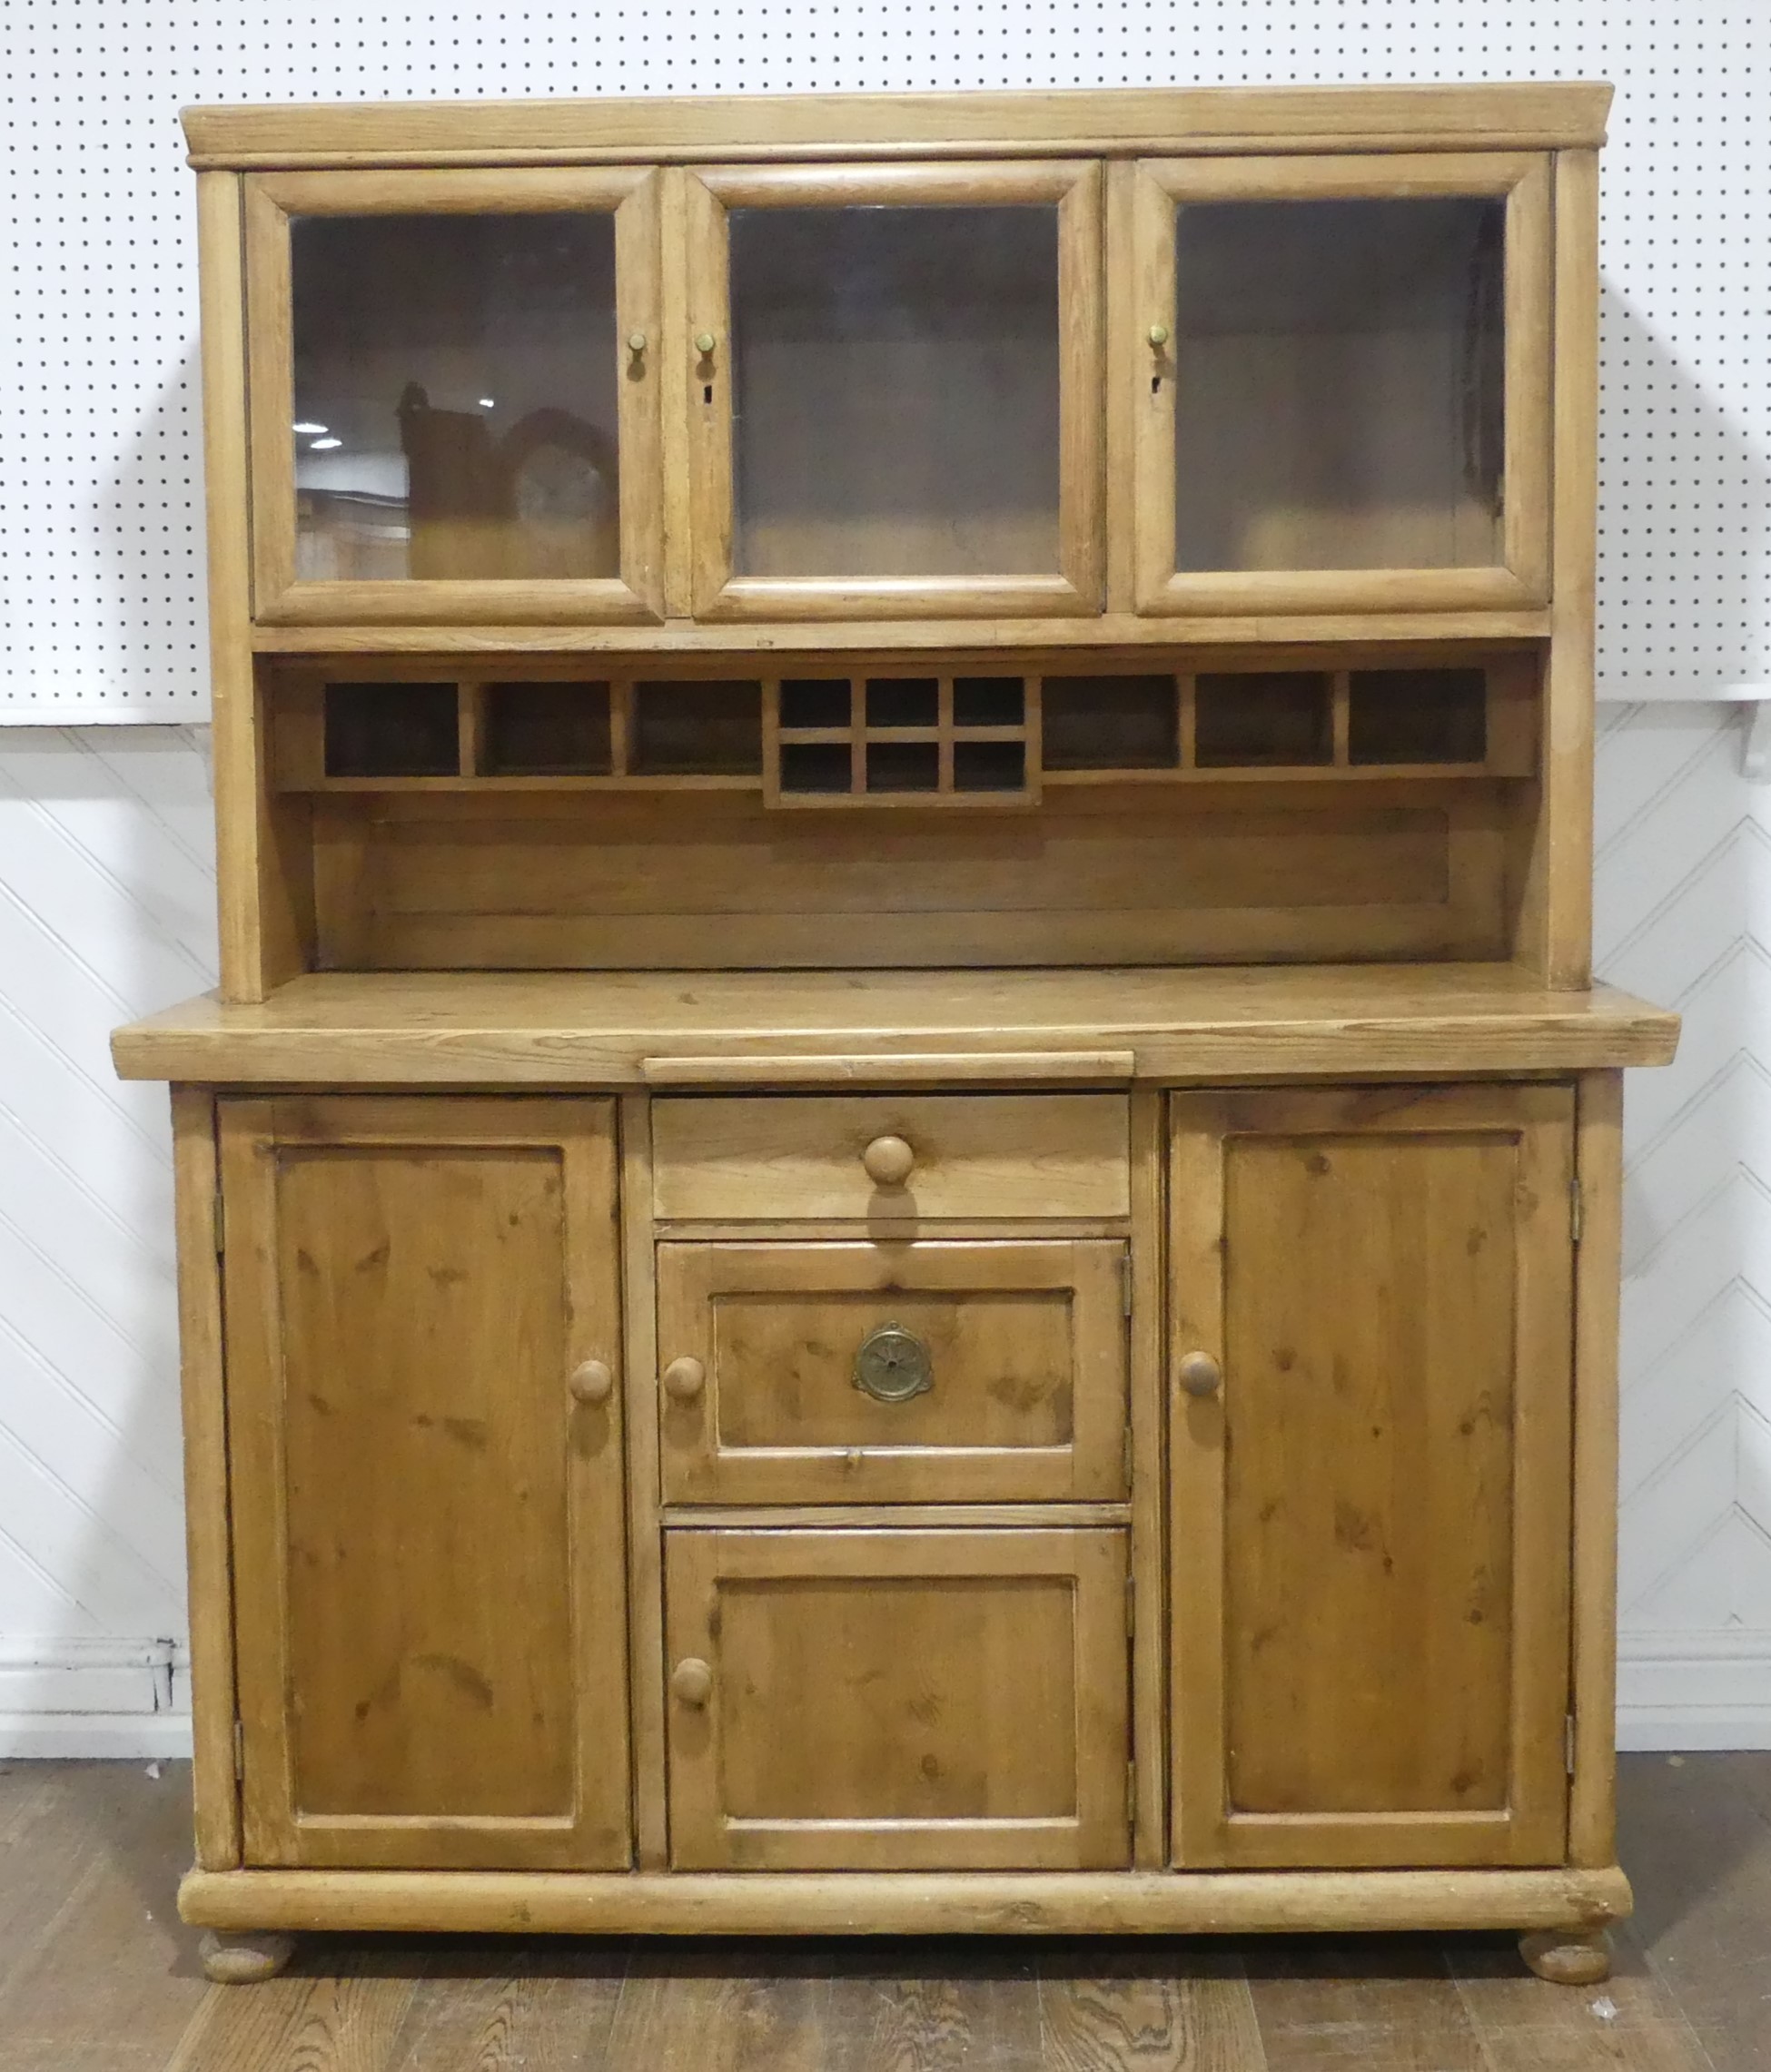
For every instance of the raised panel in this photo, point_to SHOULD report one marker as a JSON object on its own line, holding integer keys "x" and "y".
{"x": 1022, "y": 1347}
{"x": 1371, "y": 1584}
{"x": 897, "y": 1700}
{"x": 410, "y": 1286}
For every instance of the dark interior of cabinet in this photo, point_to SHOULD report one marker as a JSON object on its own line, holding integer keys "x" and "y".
{"x": 546, "y": 729}
{"x": 392, "y": 730}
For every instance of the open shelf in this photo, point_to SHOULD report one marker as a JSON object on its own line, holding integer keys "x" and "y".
{"x": 833, "y": 737}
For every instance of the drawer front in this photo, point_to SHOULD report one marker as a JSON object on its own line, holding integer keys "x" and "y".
{"x": 897, "y": 1701}
{"x": 785, "y": 1156}
{"x": 879, "y": 1373}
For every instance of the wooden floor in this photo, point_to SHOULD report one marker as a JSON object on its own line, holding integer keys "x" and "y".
{"x": 97, "y": 1974}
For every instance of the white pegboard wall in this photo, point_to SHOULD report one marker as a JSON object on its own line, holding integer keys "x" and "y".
{"x": 101, "y": 527}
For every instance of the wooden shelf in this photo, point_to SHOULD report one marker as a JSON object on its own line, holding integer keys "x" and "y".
{"x": 599, "y": 1029}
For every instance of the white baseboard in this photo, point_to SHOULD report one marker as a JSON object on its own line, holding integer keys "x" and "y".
{"x": 1695, "y": 1691}
{"x": 79, "y": 1697}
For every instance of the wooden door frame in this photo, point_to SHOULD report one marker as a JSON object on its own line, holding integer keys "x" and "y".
{"x": 1144, "y": 504}
{"x": 1094, "y": 1559}
{"x": 720, "y": 593}
{"x": 630, "y": 194}
{"x": 251, "y": 1133}
{"x": 1532, "y": 1827}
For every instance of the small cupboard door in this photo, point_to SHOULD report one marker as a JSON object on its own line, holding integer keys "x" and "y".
{"x": 854, "y": 1700}
{"x": 1372, "y": 1350}
{"x": 1335, "y": 371}
{"x": 892, "y": 383}
{"x": 424, "y": 1418}
{"x": 454, "y": 395}
{"x": 893, "y": 1372}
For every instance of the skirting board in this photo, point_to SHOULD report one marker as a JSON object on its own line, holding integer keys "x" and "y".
{"x": 1695, "y": 1691}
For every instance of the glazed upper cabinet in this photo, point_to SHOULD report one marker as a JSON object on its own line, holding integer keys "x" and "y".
{"x": 454, "y": 391}
{"x": 895, "y": 399}
{"x": 424, "y": 1410}
{"x": 773, "y": 393}
{"x": 1338, "y": 374}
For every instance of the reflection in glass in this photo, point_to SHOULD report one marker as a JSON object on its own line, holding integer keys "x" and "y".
{"x": 1338, "y": 390}
{"x": 894, "y": 402}
{"x": 455, "y": 390}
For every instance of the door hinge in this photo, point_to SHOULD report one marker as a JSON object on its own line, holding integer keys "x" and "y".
{"x": 1577, "y": 1214}
{"x": 239, "y": 1751}
{"x": 1568, "y": 1744}
{"x": 218, "y": 1221}
{"x": 1131, "y": 1794}
{"x": 1125, "y": 1283}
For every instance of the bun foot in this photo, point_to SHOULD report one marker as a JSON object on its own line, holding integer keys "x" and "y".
{"x": 1567, "y": 1957}
{"x": 246, "y": 1957}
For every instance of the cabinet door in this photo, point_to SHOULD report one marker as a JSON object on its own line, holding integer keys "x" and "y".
{"x": 893, "y": 390}
{"x": 426, "y": 1480}
{"x": 894, "y": 1372}
{"x": 454, "y": 384}
{"x": 853, "y": 1700}
{"x": 1336, "y": 372}
{"x": 1369, "y": 1525}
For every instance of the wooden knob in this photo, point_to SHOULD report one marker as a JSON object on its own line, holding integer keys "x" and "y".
{"x": 1200, "y": 1375}
{"x": 692, "y": 1681}
{"x": 636, "y": 342}
{"x": 592, "y": 1381}
{"x": 1159, "y": 335}
{"x": 685, "y": 1379}
{"x": 704, "y": 342}
{"x": 888, "y": 1160}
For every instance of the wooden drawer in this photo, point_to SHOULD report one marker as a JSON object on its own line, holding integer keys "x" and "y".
{"x": 879, "y": 1373}
{"x": 897, "y": 1701}
{"x": 782, "y": 1157}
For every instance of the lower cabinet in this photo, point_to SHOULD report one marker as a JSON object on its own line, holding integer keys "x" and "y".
{"x": 1372, "y": 1342}
{"x": 851, "y": 1699}
{"x": 423, "y": 1345}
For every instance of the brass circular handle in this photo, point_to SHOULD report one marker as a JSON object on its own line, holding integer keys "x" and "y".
{"x": 685, "y": 1379}
{"x": 888, "y": 1161}
{"x": 592, "y": 1381}
{"x": 1200, "y": 1375}
{"x": 1158, "y": 334}
{"x": 636, "y": 342}
{"x": 692, "y": 1681}
{"x": 892, "y": 1365}
{"x": 704, "y": 342}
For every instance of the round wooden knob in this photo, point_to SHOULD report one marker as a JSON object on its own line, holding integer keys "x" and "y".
{"x": 692, "y": 1681}
{"x": 685, "y": 1379}
{"x": 888, "y": 1160}
{"x": 1159, "y": 334}
{"x": 636, "y": 342}
{"x": 1200, "y": 1375}
{"x": 704, "y": 342}
{"x": 592, "y": 1381}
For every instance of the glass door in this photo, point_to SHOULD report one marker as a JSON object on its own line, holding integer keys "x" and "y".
{"x": 1338, "y": 380}
{"x": 454, "y": 396}
{"x": 893, "y": 390}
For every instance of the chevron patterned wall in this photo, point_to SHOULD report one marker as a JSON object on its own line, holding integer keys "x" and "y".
{"x": 106, "y": 888}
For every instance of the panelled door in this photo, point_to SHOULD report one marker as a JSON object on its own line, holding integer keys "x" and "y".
{"x": 454, "y": 393}
{"x": 1370, "y": 1354}
{"x": 892, "y": 383}
{"x": 1335, "y": 373}
{"x": 423, "y": 1335}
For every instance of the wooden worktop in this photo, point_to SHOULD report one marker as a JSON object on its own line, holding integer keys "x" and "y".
{"x": 607, "y": 1029}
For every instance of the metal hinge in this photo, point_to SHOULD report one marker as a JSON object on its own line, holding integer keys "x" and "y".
{"x": 1131, "y": 1794}
{"x": 1568, "y": 1744}
{"x": 218, "y": 1222}
{"x": 239, "y": 1751}
{"x": 1577, "y": 1215}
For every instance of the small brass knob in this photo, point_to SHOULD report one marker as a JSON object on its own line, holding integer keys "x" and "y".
{"x": 1158, "y": 334}
{"x": 888, "y": 1161}
{"x": 592, "y": 1381}
{"x": 692, "y": 1681}
{"x": 704, "y": 342}
{"x": 636, "y": 342}
{"x": 685, "y": 1379}
{"x": 1200, "y": 1375}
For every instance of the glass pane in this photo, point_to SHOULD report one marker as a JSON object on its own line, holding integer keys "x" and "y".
{"x": 894, "y": 391}
{"x": 1338, "y": 383}
{"x": 455, "y": 397}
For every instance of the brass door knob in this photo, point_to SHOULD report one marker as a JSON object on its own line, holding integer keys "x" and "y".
{"x": 592, "y": 1381}
{"x": 692, "y": 1681}
{"x": 1200, "y": 1375}
{"x": 704, "y": 342}
{"x": 1158, "y": 335}
{"x": 684, "y": 1379}
{"x": 888, "y": 1161}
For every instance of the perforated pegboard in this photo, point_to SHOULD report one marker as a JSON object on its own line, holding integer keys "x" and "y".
{"x": 101, "y": 523}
